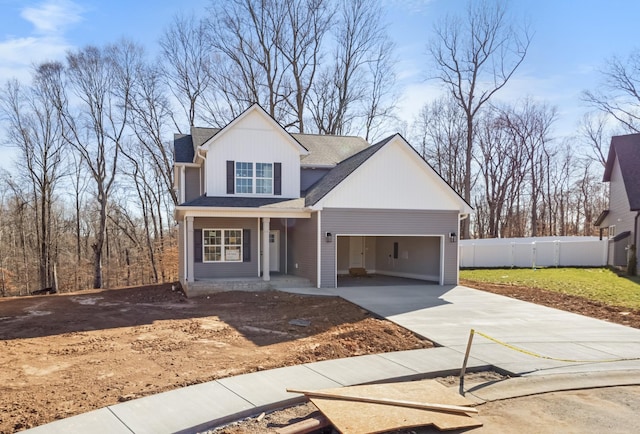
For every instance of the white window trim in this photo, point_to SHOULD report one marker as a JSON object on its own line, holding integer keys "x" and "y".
{"x": 223, "y": 246}
{"x": 254, "y": 178}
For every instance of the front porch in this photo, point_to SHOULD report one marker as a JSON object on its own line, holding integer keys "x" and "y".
{"x": 278, "y": 281}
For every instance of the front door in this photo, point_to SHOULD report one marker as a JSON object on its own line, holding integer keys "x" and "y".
{"x": 356, "y": 252}
{"x": 274, "y": 250}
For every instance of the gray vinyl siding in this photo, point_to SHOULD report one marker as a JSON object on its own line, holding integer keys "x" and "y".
{"x": 308, "y": 177}
{"x": 302, "y": 234}
{"x": 192, "y": 183}
{"x": 388, "y": 222}
{"x": 620, "y": 216}
{"x": 214, "y": 270}
{"x": 417, "y": 256}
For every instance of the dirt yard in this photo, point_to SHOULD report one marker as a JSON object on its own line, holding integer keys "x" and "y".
{"x": 570, "y": 303}
{"x": 67, "y": 354}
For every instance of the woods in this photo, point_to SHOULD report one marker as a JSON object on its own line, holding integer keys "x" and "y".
{"x": 89, "y": 201}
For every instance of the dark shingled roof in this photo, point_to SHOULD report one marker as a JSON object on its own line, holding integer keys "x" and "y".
{"x": 336, "y": 175}
{"x": 182, "y": 148}
{"x": 627, "y": 149}
{"x": 622, "y": 236}
{"x": 234, "y": 202}
{"x": 601, "y": 217}
{"x": 185, "y": 145}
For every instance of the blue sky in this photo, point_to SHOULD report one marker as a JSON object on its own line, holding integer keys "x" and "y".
{"x": 572, "y": 40}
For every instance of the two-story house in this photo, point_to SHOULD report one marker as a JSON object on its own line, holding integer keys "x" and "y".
{"x": 622, "y": 172}
{"x": 256, "y": 201}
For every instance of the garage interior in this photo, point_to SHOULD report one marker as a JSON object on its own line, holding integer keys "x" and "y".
{"x": 388, "y": 260}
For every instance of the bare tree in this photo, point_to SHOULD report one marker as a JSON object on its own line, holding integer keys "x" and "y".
{"x": 593, "y": 130}
{"x": 186, "y": 51}
{"x": 34, "y": 129}
{"x": 502, "y": 171}
{"x": 359, "y": 75}
{"x": 439, "y": 134}
{"x": 475, "y": 58}
{"x": 249, "y": 64}
{"x": 305, "y": 25}
{"x": 619, "y": 92}
{"x": 100, "y": 80}
{"x": 529, "y": 125}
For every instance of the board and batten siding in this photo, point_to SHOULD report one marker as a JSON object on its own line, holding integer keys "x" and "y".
{"x": 253, "y": 139}
{"x": 395, "y": 177}
{"x": 303, "y": 256}
{"x": 216, "y": 270}
{"x": 387, "y": 222}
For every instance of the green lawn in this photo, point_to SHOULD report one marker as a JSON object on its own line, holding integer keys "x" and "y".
{"x": 599, "y": 284}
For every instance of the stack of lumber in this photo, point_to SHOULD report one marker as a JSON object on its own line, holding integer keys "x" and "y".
{"x": 379, "y": 408}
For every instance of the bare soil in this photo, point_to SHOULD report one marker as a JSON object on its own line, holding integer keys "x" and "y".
{"x": 67, "y": 354}
{"x": 570, "y": 303}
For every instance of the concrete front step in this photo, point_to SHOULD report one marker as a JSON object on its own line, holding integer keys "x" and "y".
{"x": 210, "y": 286}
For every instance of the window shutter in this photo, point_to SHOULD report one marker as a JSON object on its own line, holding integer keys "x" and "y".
{"x": 277, "y": 179}
{"x": 197, "y": 245}
{"x": 246, "y": 245}
{"x": 231, "y": 177}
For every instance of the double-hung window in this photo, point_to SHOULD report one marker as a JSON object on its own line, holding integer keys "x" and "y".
{"x": 222, "y": 245}
{"x": 244, "y": 177}
{"x": 258, "y": 181}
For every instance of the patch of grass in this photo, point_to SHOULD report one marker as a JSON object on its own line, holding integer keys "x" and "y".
{"x": 599, "y": 284}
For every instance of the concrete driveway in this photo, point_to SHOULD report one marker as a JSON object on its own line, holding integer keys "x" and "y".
{"x": 446, "y": 314}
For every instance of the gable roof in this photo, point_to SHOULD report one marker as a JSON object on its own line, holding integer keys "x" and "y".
{"x": 627, "y": 150}
{"x": 336, "y": 175}
{"x": 255, "y": 108}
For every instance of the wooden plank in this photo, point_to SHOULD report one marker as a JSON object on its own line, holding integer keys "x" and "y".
{"x": 395, "y": 402}
{"x": 358, "y": 417}
{"x": 305, "y": 426}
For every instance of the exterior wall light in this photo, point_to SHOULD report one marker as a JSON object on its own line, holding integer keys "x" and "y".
{"x": 328, "y": 237}
{"x": 452, "y": 237}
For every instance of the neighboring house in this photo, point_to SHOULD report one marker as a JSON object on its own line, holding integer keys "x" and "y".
{"x": 622, "y": 172}
{"x": 322, "y": 205}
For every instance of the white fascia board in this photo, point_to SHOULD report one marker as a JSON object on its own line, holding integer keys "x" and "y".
{"x": 187, "y": 164}
{"x": 193, "y": 211}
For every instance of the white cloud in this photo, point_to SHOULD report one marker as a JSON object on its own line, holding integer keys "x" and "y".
{"x": 46, "y": 42}
{"x": 52, "y": 16}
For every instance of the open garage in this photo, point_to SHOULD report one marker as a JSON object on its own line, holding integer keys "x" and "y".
{"x": 365, "y": 259}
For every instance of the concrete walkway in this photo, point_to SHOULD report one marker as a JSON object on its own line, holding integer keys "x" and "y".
{"x": 443, "y": 314}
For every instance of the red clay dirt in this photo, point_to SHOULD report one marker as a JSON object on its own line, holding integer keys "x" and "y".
{"x": 67, "y": 354}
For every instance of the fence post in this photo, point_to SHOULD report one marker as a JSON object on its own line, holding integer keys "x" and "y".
{"x": 533, "y": 255}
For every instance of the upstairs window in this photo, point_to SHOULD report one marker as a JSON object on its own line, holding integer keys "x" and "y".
{"x": 249, "y": 180}
{"x": 244, "y": 177}
{"x": 264, "y": 178}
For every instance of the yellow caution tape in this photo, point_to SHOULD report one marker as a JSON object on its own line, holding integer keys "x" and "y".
{"x": 540, "y": 356}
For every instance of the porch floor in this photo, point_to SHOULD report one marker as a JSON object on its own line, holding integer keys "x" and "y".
{"x": 277, "y": 281}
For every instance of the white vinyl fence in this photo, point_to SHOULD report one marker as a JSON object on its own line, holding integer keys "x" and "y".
{"x": 533, "y": 252}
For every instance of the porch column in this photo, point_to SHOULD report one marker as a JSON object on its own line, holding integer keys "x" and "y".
{"x": 265, "y": 248}
{"x": 188, "y": 250}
